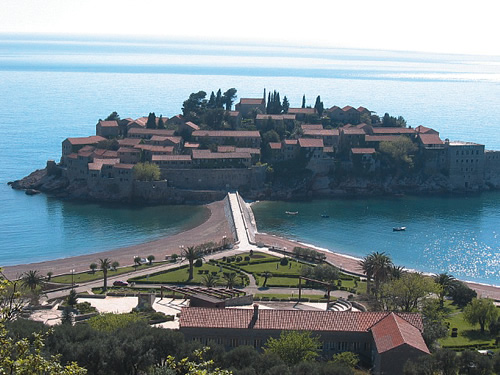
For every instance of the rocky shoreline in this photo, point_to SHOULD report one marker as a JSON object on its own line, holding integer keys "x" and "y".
{"x": 318, "y": 187}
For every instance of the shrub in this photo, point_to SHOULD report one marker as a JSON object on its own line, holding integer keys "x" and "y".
{"x": 247, "y": 259}
{"x": 224, "y": 259}
{"x": 284, "y": 261}
{"x": 198, "y": 262}
{"x": 238, "y": 259}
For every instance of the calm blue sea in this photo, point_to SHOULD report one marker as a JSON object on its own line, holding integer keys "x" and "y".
{"x": 51, "y": 89}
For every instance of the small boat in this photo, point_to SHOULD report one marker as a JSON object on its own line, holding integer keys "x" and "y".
{"x": 291, "y": 212}
{"x": 398, "y": 229}
{"x": 325, "y": 216}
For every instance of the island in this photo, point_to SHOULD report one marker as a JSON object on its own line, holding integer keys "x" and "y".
{"x": 265, "y": 149}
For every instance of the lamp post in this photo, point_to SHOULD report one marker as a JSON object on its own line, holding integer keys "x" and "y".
{"x": 72, "y": 279}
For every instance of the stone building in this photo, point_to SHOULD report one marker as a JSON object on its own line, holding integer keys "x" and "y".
{"x": 384, "y": 340}
{"x": 465, "y": 165}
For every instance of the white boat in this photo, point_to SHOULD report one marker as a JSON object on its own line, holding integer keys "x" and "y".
{"x": 291, "y": 212}
{"x": 398, "y": 229}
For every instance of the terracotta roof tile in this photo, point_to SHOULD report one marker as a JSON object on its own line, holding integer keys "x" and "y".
{"x": 382, "y": 138}
{"x": 275, "y": 145}
{"x": 227, "y": 133}
{"x": 311, "y": 127}
{"x": 86, "y": 140}
{"x": 311, "y": 142}
{"x": 348, "y": 321}
{"x": 393, "y": 331}
{"x": 393, "y": 131}
{"x": 251, "y": 101}
{"x": 108, "y": 124}
{"x": 305, "y": 111}
{"x": 362, "y": 150}
{"x": 430, "y": 139}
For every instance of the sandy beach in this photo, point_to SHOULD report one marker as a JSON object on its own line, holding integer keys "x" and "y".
{"x": 213, "y": 229}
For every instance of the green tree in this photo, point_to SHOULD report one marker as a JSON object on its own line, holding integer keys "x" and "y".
{"x": 286, "y": 104}
{"x": 67, "y": 316}
{"x": 230, "y": 279}
{"x": 294, "y": 346}
{"x": 191, "y": 254}
{"x": 146, "y": 172}
{"x": 137, "y": 262}
{"x": 376, "y": 266}
{"x": 115, "y": 265}
{"x": 348, "y": 359}
{"x": 266, "y": 275}
{"x": 105, "y": 265}
{"x": 462, "y": 294}
{"x": 150, "y": 259}
{"x": 228, "y": 97}
{"x": 446, "y": 283}
{"x": 151, "y": 123}
{"x": 319, "y": 106}
{"x": 480, "y": 311}
{"x": 72, "y": 299}
{"x": 32, "y": 279}
{"x": 198, "y": 366}
{"x": 400, "y": 153}
{"x": 406, "y": 292}
{"x": 113, "y": 116}
{"x": 109, "y": 322}
{"x": 93, "y": 267}
{"x": 161, "y": 123}
{"x": 49, "y": 275}
{"x": 209, "y": 280}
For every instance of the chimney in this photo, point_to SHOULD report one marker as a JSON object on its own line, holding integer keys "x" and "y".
{"x": 255, "y": 311}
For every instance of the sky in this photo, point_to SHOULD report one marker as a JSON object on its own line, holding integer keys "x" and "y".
{"x": 440, "y": 26}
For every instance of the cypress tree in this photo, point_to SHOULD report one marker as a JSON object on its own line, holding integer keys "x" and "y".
{"x": 304, "y": 101}
{"x": 161, "y": 123}
{"x": 286, "y": 104}
{"x": 151, "y": 123}
{"x": 211, "y": 101}
{"x": 218, "y": 99}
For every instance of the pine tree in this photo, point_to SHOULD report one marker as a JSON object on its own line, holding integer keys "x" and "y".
{"x": 161, "y": 123}
{"x": 286, "y": 104}
{"x": 211, "y": 101}
{"x": 151, "y": 123}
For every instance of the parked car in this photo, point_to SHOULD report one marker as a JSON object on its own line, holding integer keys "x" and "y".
{"x": 120, "y": 283}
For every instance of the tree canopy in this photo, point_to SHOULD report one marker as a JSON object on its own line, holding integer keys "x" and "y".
{"x": 146, "y": 172}
{"x": 294, "y": 346}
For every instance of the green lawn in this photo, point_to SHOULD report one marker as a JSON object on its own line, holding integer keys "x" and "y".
{"x": 275, "y": 268}
{"x": 83, "y": 277}
{"x": 181, "y": 275}
{"x": 467, "y": 334}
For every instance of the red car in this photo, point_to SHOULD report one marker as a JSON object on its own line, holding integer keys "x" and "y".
{"x": 120, "y": 283}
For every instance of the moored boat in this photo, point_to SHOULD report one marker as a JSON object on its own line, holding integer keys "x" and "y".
{"x": 291, "y": 212}
{"x": 398, "y": 229}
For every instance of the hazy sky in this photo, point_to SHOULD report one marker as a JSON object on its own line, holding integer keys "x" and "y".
{"x": 435, "y": 26}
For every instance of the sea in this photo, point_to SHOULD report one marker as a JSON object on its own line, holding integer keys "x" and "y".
{"x": 54, "y": 87}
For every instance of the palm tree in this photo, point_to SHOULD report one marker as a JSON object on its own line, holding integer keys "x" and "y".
{"x": 104, "y": 265}
{"x": 191, "y": 254}
{"x": 230, "y": 278}
{"x": 32, "y": 279}
{"x": 150, "y": 259}
{"x": 115, "y": 265}
{"x": 137, "y": 262}
{"x": 396, "y": 272}
{"x": 447, "y": 283}
{"x": 93, "y": 267}
{"x": 266, "y": 275}
{"x": 376, "y": 266}
{"x": 209, "y": 280}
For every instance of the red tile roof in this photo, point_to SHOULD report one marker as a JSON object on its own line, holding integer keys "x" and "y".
{"x": 171, "y": 157}
{"x": 352, "y": 131}
{"x": 363, "y": 150}
{"x": 191, "y": 145}
{"x": 305, "y": 111}
{"x": 347, "y": 108}
{"x": 130, "y": 142}
{"x": 393, "y": 131}
{"x": 393, "y": 331}
{"x": 220, "y": 155}
{"x": 424, "y": 130}
{"x": 192, "y": 125}
{"x": 248, "y": 149}
{"x": 227, "y": 133}
{"x": 141, "y": 131}
{"x": 348, "y": 321}
{"x": 275, "y": 145}
{"x": 321, "y": 132}
{"x": 430, "y": 139}
{"x": 362, "y": 109}
{"x": 290, "y": 141}
{"x": 251, "y": 101}
{"x": 153, "y": 148}
{"x": 233, "y": 113}
{"x": 382, "y": 138}
{"x": 86, "y": 140}
{"x": 108, "y": 124}
{"x": 226, "y": 149}
{"x": 311, "y": 127}
{"x": 123, "y": 166}
{"x": 311, "y": 142}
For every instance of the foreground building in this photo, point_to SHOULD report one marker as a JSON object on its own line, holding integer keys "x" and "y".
{"x": 383, "y": 340}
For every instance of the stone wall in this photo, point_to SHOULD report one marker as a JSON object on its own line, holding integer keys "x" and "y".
{"x": 230, "y": 219}
{"x": 492, "y": 168}
{"x": 248, "y": 219}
